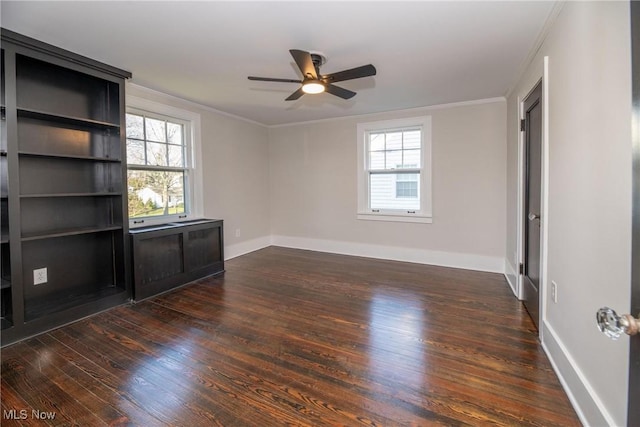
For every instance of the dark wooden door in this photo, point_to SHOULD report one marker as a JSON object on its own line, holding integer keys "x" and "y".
{"x": 633, "y": 418}
{"x": 532, "y": 201}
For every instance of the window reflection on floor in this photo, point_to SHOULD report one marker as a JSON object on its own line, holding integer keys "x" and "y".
{"x": 396, "y": 338}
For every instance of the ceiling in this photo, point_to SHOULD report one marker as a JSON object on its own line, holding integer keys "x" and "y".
{"x": 426, "y": 52}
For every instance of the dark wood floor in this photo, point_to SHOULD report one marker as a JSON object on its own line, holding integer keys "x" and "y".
{"x": 289, "y": 337}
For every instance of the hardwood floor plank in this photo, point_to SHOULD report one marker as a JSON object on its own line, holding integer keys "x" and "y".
{"x": 95, "y": 380}
{"x": 256, "y": 369}
{"x": 15, "y": 410}
{"x": 42, "y": 393}
{"x": 291, "y": 337}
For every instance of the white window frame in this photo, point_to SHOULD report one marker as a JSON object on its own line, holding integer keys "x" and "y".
{"x": 424, "y": 215}
{"x": 193, "y": 158}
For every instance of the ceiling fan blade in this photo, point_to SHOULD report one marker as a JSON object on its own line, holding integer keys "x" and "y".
{"x": 269, "y": 79}
{"x": 295, "y": 95}
{"x": 303, "y": 59}
{"x": 354, "y": 73}
{"x": 338, "y": 91}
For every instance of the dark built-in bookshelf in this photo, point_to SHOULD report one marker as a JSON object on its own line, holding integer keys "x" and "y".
{"x": 63, "y": 189}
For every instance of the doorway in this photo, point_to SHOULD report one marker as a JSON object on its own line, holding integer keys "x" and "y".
{"x": 532, "y": 137}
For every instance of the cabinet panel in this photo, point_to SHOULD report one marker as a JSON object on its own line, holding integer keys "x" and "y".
{"x": 2, "y": 83}
{"x": 4, "y": 185}
{"x": 60, "y": 139}
{"x": 46, "y": 87}
{"x": 6, "y": 311}
{"x": 159, "y": 258}
{"x": 4, "y": 220}
{"x": 41, "y": 216}
{"x": 79, "y": 269}
{"x": 43, "y": 175}
{"x": 5, "y": 287}
{"x": 204, "y": 248}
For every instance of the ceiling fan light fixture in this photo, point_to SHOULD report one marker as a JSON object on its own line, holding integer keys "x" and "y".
{"x": 313, "y": 87}
{"x": 313, "y": 82}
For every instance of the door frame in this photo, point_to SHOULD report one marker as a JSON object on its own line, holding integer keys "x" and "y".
{"x": 541, "y": 76}
{"x": 633, "y": 411}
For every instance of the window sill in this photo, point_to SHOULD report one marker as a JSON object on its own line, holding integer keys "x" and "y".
{"x": 395, "y": 218}
{"x": 157, "y": 221}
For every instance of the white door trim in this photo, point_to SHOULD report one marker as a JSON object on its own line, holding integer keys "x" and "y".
{"x": 543, "y": 76}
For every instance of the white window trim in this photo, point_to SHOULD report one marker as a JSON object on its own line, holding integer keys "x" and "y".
{"x": 193, "y": 189}
{"x": 424, "y": 215}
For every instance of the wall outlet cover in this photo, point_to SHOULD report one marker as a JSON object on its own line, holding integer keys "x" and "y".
{"x": 39, "y": 276}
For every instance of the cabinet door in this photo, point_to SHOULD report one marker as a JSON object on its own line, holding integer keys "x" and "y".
{"x": 204, "y": 248}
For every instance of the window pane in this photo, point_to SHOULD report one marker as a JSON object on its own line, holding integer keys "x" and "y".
{"x": 135, "y": 152}
{"x": 411, "y": 159}
{"x": 376, "y": 141}
{"x": 174, "y": 133}
{"x": 384, "y": 195}
{"x": 156, "y": 154}
{"x": 155, "y": 130}
{"x": 175, "y": 155}
{"x": 376, "y": 160}
{"x": 394, "y": 141}
{"x": 155, "y": 193}
{"x": 394, "y": 159}
{"x": 135, "y": 126}
{"x": 412, "y": 139}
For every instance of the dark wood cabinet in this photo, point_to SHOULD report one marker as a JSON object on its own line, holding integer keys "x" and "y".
{"x": 63, "y": 190}
{"x": 170, "y": 255}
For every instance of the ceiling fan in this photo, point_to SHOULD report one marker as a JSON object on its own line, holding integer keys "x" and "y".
{"x": 313, "y": 82}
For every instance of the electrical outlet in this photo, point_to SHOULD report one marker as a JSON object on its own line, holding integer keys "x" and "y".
{"x": 40, "y": 276}
{"x": 237, "y": 232}
{"x": 554, "y": 291}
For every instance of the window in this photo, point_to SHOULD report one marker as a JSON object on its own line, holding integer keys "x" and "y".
{"x": 394, "y": 163}
{"x": 160, "y": 167}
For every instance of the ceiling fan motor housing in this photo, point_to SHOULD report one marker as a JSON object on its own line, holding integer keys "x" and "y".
{"x": 318, "y": 59}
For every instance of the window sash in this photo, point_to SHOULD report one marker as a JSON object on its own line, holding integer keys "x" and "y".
{"x": 413, "y": 204}
{"x": 386, "y": 172}
{"x": 384, "y": 197}
{"x": 147, "y": 141}
{"x": 185, "y": 170}
{"x": 394, "y": 148}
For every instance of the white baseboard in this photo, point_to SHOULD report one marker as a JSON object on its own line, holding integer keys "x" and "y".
{"x": 420, "y": 256}
{"x": 512, "y": 277}
{"x": 242, "y": 248}
{"x": 584, "y": 399}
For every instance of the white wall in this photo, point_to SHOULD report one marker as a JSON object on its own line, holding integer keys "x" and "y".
{"x": 314, "y": 190}
{"x": 235, "y": 168}
{"x": 589, "y": 220}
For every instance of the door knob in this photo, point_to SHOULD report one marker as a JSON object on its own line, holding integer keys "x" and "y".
{"x": 533, "y": 216}
{"x": 614, "y": 326}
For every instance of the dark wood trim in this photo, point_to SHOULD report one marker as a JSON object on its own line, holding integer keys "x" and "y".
{"x": 56, "y": 52}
